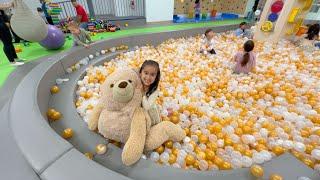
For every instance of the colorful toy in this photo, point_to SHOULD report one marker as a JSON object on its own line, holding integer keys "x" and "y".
{"x": 293, "y": 15}
{"x": 281, "y": 19}
{"x": 54, "y": 40}
{"x": 54, "y": 11}
{"x": 273, "y": 17}
{"x": 295, "y": 28}
{"x": 267, "y": 26}
{"x": 302, "y": 30}
{"x": 277, "y": 6}
{"x": 18, "y": 49}
{"x": 307, "y": 5}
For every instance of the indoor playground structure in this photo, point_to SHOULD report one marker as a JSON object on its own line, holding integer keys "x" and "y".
{"x": 264, "y": 125}
{"x": 184, "y": 10}
{"x": 54, "y": 11}
{"x": 281, "y": 19}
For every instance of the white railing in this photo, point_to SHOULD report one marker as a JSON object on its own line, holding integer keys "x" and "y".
{"x": 118, "y": 8}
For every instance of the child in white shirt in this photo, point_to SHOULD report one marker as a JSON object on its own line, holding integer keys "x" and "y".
{"x": 207, "y": 43}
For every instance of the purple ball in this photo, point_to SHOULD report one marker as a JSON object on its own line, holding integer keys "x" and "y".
{"x": 55, "y": 38}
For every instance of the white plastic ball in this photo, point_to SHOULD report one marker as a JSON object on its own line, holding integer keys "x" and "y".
{"x": 203, "y": 165}
{"x": 69, "y": 70}
{"x": 315, "y": 154}
{"x": 300, "y": 147}
{"x": 164, "y": 157}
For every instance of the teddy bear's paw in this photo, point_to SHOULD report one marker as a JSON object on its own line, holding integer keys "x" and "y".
{"x": 93, "y": 124}
{"x": 130, "y": 155}
{"x": 174, "y": 132}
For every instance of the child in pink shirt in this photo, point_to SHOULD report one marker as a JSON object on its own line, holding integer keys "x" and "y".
{"x": 246, "y": 60}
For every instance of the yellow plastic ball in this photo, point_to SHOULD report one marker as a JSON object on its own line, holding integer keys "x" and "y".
{"x": 201, "y": 155}
{"x": 256, "y": 171}
{"x": 210, "y": 154}
{"x": 50, "y": 112}
{"x": 275, "y": 177}
{"x": 172, "y": 158}
{"x": 190, "y": 160}
{"x": 203, "y": 139}
{"x": 160, "y": 149}
{"x": 278, "y": 150}
{"x": 225, "y": 166}
{"x": 56, "y": 116}
{"x": 54, "y": 89}
{"x": 88, "y": 155}
{"x": 168, "y": 144}
{"x": 67, "y": 133}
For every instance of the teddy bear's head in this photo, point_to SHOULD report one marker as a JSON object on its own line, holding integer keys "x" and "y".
{"x": 120, "y": 88}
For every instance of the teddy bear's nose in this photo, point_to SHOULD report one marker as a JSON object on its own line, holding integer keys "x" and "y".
{"x": 123, "y": 85}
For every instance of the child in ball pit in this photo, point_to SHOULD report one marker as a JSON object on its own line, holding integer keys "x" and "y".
{"x": 207, "y": 43}
{"x": 246, "y": 60}
{"x": 149, "y": 74}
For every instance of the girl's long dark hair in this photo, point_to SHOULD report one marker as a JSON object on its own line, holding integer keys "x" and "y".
{"x": 313, "y": 31}
{"x": 154, "y": 86}
{"x": 248, "y": 47}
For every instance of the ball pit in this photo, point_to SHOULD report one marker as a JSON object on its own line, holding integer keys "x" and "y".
{"x": 231, "y": 120}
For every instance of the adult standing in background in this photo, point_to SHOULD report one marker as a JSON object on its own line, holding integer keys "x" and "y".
{"x": 82, "y": 17}
{"x": 5, "y": 36}
{"x": 45, "y": 11}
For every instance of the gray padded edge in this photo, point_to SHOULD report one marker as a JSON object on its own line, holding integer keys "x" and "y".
{"x": 73, "y": 165}
{"x": 10, "y": 157}
{"x": 31, "y": 131}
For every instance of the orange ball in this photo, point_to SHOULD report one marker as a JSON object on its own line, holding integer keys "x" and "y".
{"x": 203, "y": 139}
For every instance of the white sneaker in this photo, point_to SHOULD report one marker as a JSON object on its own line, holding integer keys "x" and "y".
{"x": 16, "y": 63}
{"x": 19, "y": 60}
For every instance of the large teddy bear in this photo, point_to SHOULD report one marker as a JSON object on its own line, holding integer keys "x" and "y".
{"x": 120, "y": 117}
